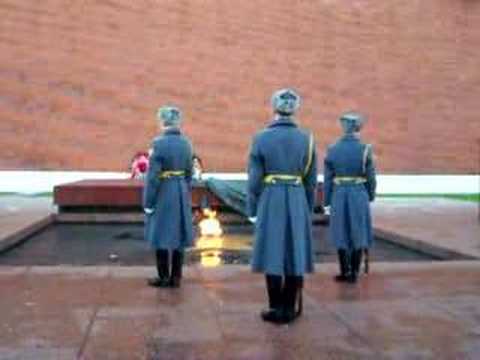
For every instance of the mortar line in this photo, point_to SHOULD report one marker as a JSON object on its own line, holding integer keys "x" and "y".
{"x": 87, "y": 334}
{"x": 451, "y": 314}
{"x": 350, "y": 329}
{"x": 94, "y": 317}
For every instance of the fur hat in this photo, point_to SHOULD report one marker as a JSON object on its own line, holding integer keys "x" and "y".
{"x": 352, "y": 121}
{"x": 169, "y": 115}
{"x": 285, "y": 101}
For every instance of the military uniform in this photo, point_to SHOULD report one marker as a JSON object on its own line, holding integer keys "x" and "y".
{"x": 282, "y": 178}
{"x": 167, "y": 199}
{"x": 349, "y": 188}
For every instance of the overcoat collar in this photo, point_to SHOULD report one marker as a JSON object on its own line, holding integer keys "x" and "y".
{"x": 172, "y": 131}
{"x": 282, "y": 121}
{"x": 351, "y": 137}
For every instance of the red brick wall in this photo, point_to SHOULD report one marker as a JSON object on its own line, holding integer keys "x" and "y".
{"x": 80, "y": 80}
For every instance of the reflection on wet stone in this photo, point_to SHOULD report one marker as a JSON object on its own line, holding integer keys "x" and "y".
{"x": 124, "y": 245}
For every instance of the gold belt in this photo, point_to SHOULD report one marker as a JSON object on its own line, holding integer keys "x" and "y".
{"x": 273, "y": 178}
{"x": 349, "y": 180}
{"x": 170, "y": 173}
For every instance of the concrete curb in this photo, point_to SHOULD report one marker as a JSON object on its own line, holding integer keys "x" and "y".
{"x": 19, "y": 236}
{"x": 31, "y": 182}
{"x": 131, "y": 218}
{"x": 72, "y": 218}
{"x": 436, "y": 251}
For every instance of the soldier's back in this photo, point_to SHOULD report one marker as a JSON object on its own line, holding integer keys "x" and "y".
{"x": 174, "y": 150}
{"x": 283, "y": 148}
{"x": 346, "y": 156}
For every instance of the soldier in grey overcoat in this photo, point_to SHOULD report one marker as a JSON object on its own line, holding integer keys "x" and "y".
{"x": 167, "y": 198}
{"x": 349, "y": 187}
{"x": 282, "y": 179}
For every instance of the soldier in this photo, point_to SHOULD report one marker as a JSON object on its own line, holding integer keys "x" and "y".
{"x": 349, "y": 187}
{"x": 282, "y": 178}
{"x": 167, "y": 199}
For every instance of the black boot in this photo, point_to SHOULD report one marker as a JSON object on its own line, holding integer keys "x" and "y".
{"x": 274, "y": 291}
{"x": 162, "y": 269}
{"x": 344, "y": 268}
{"x": 292, "y": 293}
{"x": 177, "y": 263}
{"x": 355, "y": 260}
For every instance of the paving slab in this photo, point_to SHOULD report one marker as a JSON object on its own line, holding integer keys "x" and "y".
{"x": 400, "y": 311}
{"x": 21, "y": 216}
{"x": 448, "y": 228}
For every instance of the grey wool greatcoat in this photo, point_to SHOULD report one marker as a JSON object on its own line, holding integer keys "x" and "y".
{"x": 283, "y": 230}
{"x": 350, "y": 219}
{"x": 170, "y": 225}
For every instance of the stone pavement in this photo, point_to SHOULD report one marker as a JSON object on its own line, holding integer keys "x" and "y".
{"x": 427, "y": 310}
{"x": 20, "y": 215}
{"x": 436, "y": 225}
{"x": 400, "y": 311}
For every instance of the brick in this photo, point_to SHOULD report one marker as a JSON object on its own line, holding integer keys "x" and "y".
{"x": 80, "y": 81}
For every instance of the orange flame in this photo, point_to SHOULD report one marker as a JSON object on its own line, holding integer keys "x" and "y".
{"x": 211, "y": 239}
{"x": 210, "y": 226}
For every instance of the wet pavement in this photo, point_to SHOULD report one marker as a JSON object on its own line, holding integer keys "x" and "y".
{"x": 100, "y": 244}
{"x": 403, "y": 310}
{"x": 400, "y": 311}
